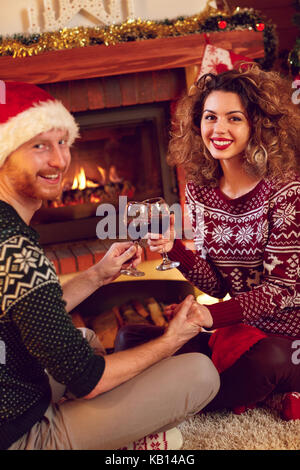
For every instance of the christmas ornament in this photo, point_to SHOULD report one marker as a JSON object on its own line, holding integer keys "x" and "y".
{"x": 260, "y": 26}
{"x": 222, "y": 24}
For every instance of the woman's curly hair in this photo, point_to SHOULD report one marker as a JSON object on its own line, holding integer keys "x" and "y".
{"x": 273, "y": 117}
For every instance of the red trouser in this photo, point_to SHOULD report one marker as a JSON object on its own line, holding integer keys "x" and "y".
{"x": 267, "y": 367}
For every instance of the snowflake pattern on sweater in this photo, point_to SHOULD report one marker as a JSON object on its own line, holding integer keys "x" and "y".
{"x": 248, "y": 247}
{"x": 37, "y": 332}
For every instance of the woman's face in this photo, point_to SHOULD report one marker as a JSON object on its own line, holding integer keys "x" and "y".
{"x": 225, "y": 128}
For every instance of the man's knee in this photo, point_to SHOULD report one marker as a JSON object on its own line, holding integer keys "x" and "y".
{"x": 200, "y": 376}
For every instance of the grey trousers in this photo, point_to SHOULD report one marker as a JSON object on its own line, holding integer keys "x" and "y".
{"x": 157, "y": 399}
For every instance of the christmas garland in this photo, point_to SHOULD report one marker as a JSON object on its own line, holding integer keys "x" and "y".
{"x": 209, "y": 21}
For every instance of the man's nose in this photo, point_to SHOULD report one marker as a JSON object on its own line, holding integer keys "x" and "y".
{"x": 58, "y": 158}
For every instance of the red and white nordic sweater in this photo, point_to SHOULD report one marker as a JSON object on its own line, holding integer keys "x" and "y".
{"x": 248, "y": 247}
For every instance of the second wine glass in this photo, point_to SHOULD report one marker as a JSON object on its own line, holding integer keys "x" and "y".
{"x": 130, "y": 217}
{"x": 159, "y": 222}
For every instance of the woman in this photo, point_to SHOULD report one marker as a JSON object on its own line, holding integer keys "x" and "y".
{"x": 237, "y": 136}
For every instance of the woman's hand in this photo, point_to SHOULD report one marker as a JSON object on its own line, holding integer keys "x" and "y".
{"x": 159, "y": 243}
{"x": 198, "y": 311}
{"x": 201, "y": 314}
{"x": 108, "y": 268}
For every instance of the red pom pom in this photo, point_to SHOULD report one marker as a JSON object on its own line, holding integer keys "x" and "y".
{"x": 260, "y": 26}
{"x": 222, "y": 24}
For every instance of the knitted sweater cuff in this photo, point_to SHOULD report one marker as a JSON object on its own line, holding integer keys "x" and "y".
{"x": 180, "y": 253}
{"x": 225, "y": 313}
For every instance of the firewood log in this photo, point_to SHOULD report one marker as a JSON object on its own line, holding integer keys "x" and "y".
{"x": 130, "y": 315}
{"x": 139, "y": 307}
{"x": 106, "y": 327}
{"x": 118, "y": 316}
{"x": 155, "y": 312}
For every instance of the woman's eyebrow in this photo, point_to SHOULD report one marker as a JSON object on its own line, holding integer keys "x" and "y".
{"x": 230, "y": 112}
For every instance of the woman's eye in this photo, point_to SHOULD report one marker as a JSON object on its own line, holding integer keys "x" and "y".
{"x": 236, "y": 118}
{"x": 209, "y": 117}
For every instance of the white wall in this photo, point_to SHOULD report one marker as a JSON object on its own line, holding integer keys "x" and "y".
{"x": 14, "y": 16}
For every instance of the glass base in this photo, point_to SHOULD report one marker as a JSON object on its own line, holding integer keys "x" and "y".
{"x": 132, "y": 272}
{"x": 165, "y": 265}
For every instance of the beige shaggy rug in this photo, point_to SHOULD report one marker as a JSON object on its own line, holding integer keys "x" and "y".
{"x": 258, "y": 429}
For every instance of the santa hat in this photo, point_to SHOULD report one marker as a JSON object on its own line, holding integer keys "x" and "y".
{"x": 26, "y": 111}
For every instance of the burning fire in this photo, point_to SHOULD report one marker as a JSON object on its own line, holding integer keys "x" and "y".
{"x": 108, "y": 187}
{"x": 102, "y": 174}
{"x": 81, "y": 182}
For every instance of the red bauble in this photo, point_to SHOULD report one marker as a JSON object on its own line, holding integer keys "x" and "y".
{"x": 222, "y": 24}
{"x": 260, "y": 26}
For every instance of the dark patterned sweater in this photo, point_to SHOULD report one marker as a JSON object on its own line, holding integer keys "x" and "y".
{"x": 248, "y": 247}
{"x": 36, "y": 333}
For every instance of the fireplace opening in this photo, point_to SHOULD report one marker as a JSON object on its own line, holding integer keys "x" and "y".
{"x": 120, "y": 152}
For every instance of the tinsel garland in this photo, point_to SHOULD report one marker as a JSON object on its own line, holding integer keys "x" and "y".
{"x": 208, "y": 21}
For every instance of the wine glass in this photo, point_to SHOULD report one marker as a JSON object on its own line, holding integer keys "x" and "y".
{"x": 158, "y": 222}
{"x": 132, "y": 222}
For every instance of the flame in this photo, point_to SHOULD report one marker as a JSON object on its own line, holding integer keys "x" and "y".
{"x": 79, "y": 180}
{"x": 102, "y": 174}
{"x": 113, "y": 175}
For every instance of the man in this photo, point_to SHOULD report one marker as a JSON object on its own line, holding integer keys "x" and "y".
{"x": 127, "y": 394}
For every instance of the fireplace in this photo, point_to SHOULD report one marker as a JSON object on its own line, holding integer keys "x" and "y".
{"x": 100, "y": 85}
{"x": 120, "y": 152}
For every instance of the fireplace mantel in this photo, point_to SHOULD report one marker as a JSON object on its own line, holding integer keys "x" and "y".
{"x": 124, "y": 58}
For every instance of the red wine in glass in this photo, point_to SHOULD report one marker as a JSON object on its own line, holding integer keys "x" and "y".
{"x": 130, "y": 216}
{"x": 158, "y": 223}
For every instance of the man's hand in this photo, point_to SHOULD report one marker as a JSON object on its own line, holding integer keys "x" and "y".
{"x": 198, "y": 311}
{"x": 123, "y": 365}
{"x": 202, "y": 314}
{"x": 108, "y": 268}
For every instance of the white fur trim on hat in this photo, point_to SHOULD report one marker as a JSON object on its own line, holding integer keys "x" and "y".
{"x": 41, "y": 117}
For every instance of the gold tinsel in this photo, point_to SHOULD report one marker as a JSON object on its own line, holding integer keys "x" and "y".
{"x": 130, "y": 30}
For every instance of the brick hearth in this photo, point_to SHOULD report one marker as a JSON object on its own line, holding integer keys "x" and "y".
{"x": 74, "y": 257}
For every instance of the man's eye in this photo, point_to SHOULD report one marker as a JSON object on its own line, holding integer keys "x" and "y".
{"x": 39, "y": 146}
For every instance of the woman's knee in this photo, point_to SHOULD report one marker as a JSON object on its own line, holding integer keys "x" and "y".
{"x": 271, "y": 353}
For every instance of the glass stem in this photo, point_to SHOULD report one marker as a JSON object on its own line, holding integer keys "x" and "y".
{"x": 165, "y": 256}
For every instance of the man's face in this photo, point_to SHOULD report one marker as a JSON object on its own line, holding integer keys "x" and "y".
{"x": 36, "y": 169}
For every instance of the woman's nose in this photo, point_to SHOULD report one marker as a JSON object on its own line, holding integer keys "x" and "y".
{"x": 220, "y": 126}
